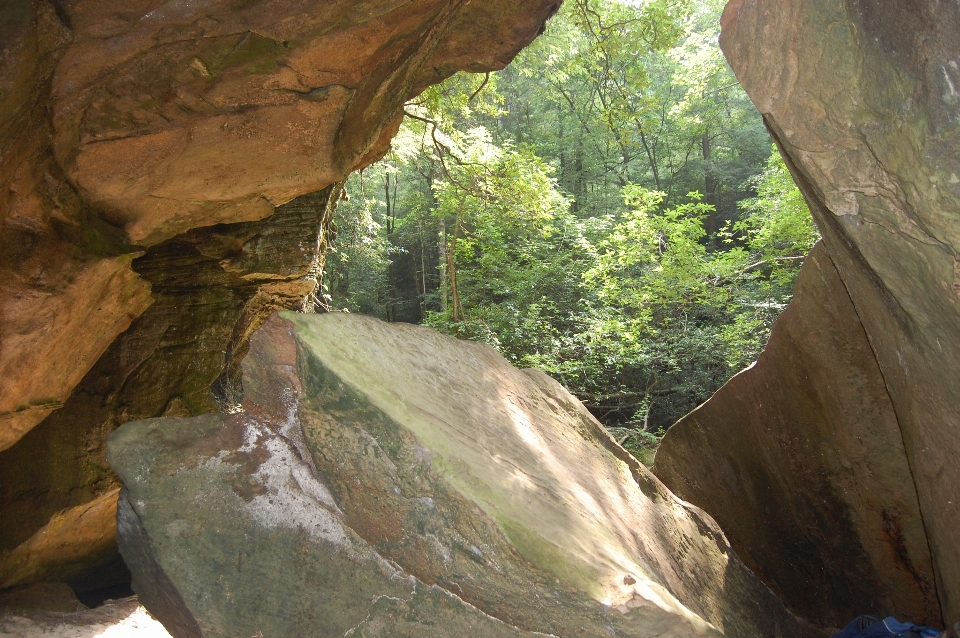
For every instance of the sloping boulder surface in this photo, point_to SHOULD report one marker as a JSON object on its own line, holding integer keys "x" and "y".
{"x": 386, "y": 480}
{"x": 168, "y": 172}
{"x": 863, "y": 98}
{"x": 806, "y": 442}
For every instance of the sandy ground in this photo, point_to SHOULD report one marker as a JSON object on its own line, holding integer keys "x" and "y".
{"x": 113, "y": 619}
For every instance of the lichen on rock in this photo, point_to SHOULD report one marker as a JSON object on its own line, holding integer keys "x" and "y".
{"x": 390, "y": 463}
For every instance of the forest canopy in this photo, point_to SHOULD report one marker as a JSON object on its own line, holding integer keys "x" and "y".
{"x": 609, "y": 209}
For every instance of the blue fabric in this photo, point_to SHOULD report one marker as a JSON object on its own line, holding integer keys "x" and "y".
{"x": 889, "y": 627}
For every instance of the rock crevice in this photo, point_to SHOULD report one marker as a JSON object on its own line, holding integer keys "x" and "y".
{"x": 857, "y": 95}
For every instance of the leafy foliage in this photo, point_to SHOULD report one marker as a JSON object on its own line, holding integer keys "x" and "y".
{"x": 605, "y": 209}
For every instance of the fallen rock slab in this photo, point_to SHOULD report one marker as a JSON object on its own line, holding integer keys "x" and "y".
{"x": 800, "y": 460}
{"x": 387, "y": 480}
{"x": 862, "y": 98}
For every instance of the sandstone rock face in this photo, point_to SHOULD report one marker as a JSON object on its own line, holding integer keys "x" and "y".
{"x": 801, "y": 460}
{"x": 212, "y": 288}
{"x": 61, "y": 269}
{"x": 156, "y": 163}
{"x": 168, "y": 117}
{"x": 864, "y": 100}
{"x": 74, "y": 541}
{"x": 386, "y": 480}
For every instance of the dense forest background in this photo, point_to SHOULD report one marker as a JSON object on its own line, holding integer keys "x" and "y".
{"x": 608, "y": 209}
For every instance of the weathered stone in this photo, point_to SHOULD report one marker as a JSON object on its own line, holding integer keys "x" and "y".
{"x": 62, "y": 271}
{"x": 863, "y": 99}
{"x": 75, "y": 541}
{"x": 212, "y": 287}
{"x": 388, "y": 480}
{"x": 800, "y": 460}
{"x": 200, "y": 106}
{"x": 41, "y": 333}
{"x": 126, "y": 124}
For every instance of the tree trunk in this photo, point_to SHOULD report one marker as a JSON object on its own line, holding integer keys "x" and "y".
{"x": 451, "y": 268}
{"x": 709, "y": 186}
{"x": 391, "y": 268}
{"x": 442, "y": 232}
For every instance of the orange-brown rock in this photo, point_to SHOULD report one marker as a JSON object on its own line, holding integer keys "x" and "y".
{"x": 169, "y": 117}
{"x": 147, "y": 150}
{"x": 60, "y": 269}
{"x": 863, "y": 99}
{"x": 212, "y": 287}
{"x": 74, "y": 541}
{"x": 73, "y": 318}
{"x": 801, "y": 460}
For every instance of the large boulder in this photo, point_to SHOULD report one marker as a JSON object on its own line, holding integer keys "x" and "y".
{"x": 800, "y": 460}
{"x": 387, "y": 480}
{"x": 168, "y": 172}
{"x": 863, "y": 98}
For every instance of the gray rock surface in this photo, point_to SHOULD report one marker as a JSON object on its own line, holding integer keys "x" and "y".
{"x": 386, "y": 480}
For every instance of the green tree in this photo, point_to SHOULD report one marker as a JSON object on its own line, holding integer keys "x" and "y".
{"x": 542, "y": 210}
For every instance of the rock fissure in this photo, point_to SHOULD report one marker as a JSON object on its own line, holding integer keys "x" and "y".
{"x": 143, "y": 155}
{"x": 882, "y": 128}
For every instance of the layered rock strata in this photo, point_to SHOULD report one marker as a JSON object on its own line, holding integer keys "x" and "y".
{"x": 863, "y": 99}
{"x": 212, "y": 287}
{"x": 149, "y": 155}
{"x": 386, "y": 480}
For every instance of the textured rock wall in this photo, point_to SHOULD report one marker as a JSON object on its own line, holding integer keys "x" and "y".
{"x": 151, "y": 154}
{"x": 801, "y": 461}
{"x": 62, "y": 270}
{"x": 212, "y": 287}
{"x": 863, "y": 98}
{"x": 387, "y": 480}
{"x": 125, "y": 124}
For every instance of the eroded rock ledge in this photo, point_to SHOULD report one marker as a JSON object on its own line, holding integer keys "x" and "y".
{"x": 387, "y": 480}
{"x": 167, "y": 170}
